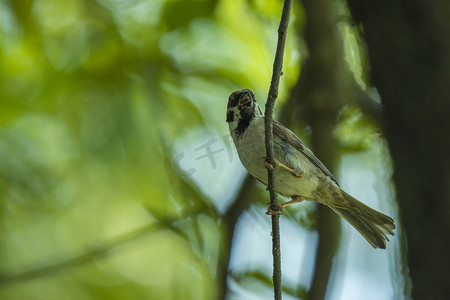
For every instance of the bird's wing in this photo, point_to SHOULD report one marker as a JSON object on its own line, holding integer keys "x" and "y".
{"x": 284, "y": 133}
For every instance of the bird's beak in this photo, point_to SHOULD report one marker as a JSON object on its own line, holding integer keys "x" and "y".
{"x": 246, "y": 100}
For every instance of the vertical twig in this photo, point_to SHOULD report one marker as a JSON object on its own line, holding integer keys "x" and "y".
{"x": 273, "y": 94}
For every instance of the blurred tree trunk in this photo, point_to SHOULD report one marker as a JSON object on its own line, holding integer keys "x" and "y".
{"x": 409, "y": 51}
{"x": 325, "y": 85}
{"x": 319, "y": 93}
{"x": 229, "y": 222}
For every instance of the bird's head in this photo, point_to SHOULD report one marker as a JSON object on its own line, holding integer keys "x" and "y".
{"x": 242, "y": 106}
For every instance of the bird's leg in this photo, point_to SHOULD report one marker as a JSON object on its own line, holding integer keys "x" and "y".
{"x": 279, "y": 164}
{"x": 295, "y": 199}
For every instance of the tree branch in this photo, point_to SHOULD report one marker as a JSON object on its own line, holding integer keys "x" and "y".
{"x": 273, "y": 94}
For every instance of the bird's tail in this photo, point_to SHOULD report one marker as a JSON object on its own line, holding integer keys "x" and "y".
{"x": 371, "y": 224}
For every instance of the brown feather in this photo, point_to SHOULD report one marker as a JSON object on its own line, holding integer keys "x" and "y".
{"x": 371, "y": 224}
{"x": 284, "y": 133}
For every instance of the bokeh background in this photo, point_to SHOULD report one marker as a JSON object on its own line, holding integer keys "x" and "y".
{"x": 119, "y": 179}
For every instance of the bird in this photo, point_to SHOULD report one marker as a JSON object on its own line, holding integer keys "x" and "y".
{"x": 298, "y": 173}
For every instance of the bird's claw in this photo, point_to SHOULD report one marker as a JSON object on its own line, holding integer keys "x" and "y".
{"x": 274, "y": 212}
{"x": 268, "y": 165}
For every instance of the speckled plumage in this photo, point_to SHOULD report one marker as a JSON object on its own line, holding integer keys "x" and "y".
{"x": 302, "y": 175}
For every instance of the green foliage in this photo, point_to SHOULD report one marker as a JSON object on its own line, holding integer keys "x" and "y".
{"x": 95, "y": 96}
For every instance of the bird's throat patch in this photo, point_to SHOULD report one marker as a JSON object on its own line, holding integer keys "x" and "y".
{"x": 242, "y": 126}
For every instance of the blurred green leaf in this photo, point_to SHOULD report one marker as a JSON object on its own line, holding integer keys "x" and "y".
{"x": 179, "y": 13}
{"x": 295, "y": 291}
{"x": 94, "y": 96}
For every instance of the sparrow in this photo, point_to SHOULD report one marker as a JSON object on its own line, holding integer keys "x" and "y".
{"x": 298, "y": 173}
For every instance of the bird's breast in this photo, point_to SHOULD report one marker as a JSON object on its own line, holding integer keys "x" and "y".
{"x": 251, "y": 149}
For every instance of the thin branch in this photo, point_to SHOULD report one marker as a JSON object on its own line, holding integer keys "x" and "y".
{"x": 273, "y": 94}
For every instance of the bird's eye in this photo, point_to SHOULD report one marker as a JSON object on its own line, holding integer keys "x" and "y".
{"x": 233, "y": 100}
